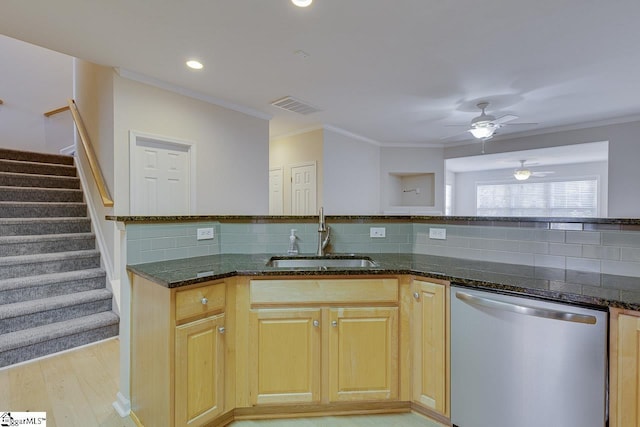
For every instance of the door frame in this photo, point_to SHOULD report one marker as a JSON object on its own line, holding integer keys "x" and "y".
{"x": 136, "y": 137}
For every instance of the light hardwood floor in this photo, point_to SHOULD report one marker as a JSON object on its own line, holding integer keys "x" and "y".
{"x": 77, "y": 388}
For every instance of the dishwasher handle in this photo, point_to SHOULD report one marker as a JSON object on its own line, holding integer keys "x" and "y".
{"x": 526, "y": 310}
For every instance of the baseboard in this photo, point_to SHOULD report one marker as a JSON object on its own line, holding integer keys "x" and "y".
{"x": 430, "y": 413}
{"x": 122, "y": 405}
{"x": 320, "y": 410}
{"x": 68, "y": 151}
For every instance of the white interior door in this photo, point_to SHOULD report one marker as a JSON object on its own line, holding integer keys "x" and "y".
{"x": 160, "y": 177}
{"x": 303, "y": 189}
{"x": 276, "y": 195}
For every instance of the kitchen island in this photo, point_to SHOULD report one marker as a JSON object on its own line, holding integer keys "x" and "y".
{"x": 232, "y": 320}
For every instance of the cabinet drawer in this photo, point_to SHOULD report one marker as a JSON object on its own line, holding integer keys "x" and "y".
{"x": 322, "y": 291}
{"x": 202, "y": 300}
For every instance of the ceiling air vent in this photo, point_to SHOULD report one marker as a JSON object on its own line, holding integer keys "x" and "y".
{"x": 290, "y": 103}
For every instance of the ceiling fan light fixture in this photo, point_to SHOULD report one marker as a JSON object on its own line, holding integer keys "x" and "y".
{"x": 483, "y": 131}
{"x": 522, "y": 174}
{"x": 302, "y": 3}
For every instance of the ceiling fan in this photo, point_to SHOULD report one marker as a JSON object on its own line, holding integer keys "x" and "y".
{"x": 523, "y": 173}
{"x": 485, "y": 125}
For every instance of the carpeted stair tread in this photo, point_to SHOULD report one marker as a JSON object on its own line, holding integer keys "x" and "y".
{"x": 34, "y": 265}
{"x": 47, "y": 279}
{"x": 40, "y": 334}
{"x": 11, "y": 179}
{"x": 38, "y": 168}
{"x": 45, "y": 243}
{"x": 58, "y": 256}
{"x": 45, "y": 304}
{"x": 44, "y": 237}
{"x": 44, "y": 225}
{"x": 42, "y": 209}
{"x": 50, "y": 285}
{"x": 40, "y": 194}
{"x": 9, "y": 154}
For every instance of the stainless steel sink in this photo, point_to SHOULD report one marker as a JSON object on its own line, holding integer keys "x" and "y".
{"x": 322, "y": 262}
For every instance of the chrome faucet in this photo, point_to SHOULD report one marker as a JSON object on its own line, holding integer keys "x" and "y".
{"x": 324, "y": 231}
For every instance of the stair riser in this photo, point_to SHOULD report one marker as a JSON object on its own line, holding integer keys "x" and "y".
{"x": 21, "y": 354}
{"x": 35, "y": 157}
{"x": 50, "y": 316}
{"x": 35, "y": 168}
{"x": 47, "y": 267}
{"x": 37, "y": 181}
{"x": 45, "y": 247}
{"x": 51, "y": 290}
{"x": 80, "y": 226}
{"x": 20, "y": 194}
{"x": 42, "y": 211}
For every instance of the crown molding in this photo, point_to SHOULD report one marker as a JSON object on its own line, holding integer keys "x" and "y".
{"x": 151, "y": 81}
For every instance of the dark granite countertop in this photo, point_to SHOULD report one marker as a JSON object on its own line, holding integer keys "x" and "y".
{"x": 569, "y": 286}
{"x": 630, "y": 224}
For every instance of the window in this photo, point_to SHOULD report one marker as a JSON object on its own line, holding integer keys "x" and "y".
{"x": 572, "y": 198}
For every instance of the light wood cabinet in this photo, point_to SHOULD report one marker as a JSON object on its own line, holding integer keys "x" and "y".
{"x": 285, "y": 362}
{"x": 199, "y": 371}
{"x": 338, "y": 350}
{"x": 177, "y": 353}
{"x": 625, "y": 369}
{"x": 430, "y": 338}
{"x": 363, "y": 353}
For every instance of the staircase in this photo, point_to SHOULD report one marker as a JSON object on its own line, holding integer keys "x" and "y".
{"x": 53, "y": 292}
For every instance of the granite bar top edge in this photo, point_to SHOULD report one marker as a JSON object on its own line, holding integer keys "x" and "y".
{"x": 452, "y": 220}
{"x": 550, "y": 284}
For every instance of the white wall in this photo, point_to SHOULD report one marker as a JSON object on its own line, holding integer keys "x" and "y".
{"x": 465, "y": 183}
{"x": 624, "y": 152}
{"x": 232, "y": 148}
{"x": 411, "y": 160}
{"x": 293, "y": 150}
{"x": 34, "y": 80}
{"x": 351, "y": 175}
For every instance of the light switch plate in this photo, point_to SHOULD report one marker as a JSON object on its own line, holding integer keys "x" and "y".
{"x": 205, "y": 233}
{"x": 377, "y": 232}
{"x": 438, "y": 233}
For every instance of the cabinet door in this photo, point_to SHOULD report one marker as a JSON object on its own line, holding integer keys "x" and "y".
{"x": 285, "y": 356}
{"x": 625, "y": 370}
{"x": 363, "y": 354}
{"x": 199, "y": 367}
{"x": 430, "y": 357}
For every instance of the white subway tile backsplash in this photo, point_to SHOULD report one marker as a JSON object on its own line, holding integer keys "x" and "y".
{"x": 565, "y": 249}
{"x": 613, "y": 252}
{"x": 551, "y": 261}
{"x": 584, "y": 237}
{"x": 583, "y": 264}
{"x": 630, "y": 254}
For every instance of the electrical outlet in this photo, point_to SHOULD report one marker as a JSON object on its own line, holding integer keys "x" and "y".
{"x": 204, "y": 233}
{"x": 377, "y": 232}
{"x": 438, "y": 233}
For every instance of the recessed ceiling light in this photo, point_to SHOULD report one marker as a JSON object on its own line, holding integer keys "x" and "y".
{"x": 302, "y": 3}
{"x": 196, "y": 65}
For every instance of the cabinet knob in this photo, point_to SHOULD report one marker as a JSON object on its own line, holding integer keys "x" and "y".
{"x": 416, "y": 296}
{"x": 204, "y": 300}
{"x": 334, "y": 323}
{"x": 316, "y": 323}
{"x": 221, "y": 329}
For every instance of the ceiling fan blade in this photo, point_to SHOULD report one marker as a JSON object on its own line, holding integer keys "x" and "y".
{"x": 504, "y": 119}
{"x": 519, "y": 123}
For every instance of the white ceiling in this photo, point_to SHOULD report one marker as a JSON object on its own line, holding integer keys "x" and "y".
{"x": 396, "y": 72}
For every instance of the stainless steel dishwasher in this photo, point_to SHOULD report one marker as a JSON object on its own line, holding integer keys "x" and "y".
{"x": 520, "y": 362}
